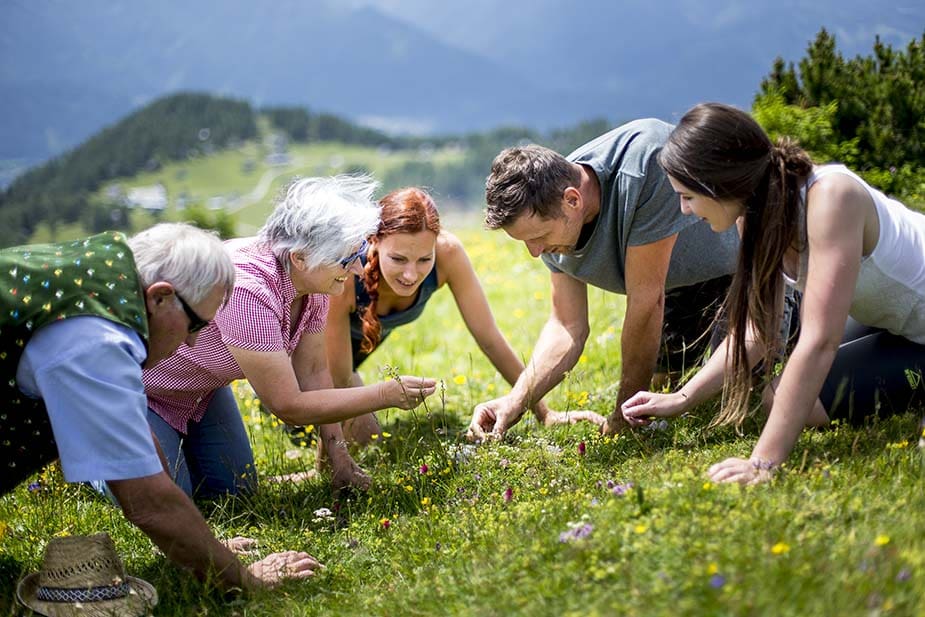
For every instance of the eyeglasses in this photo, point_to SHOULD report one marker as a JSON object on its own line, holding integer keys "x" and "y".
{"x": 346, "y": 261}
{"x": 196, "y": 323}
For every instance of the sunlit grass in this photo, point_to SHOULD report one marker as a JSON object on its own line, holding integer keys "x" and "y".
{"x": 549, "y": 522}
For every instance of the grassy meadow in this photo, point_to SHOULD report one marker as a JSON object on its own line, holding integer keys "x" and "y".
{"x": 548, "y": 522}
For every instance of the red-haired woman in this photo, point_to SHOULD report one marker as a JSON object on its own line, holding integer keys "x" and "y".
{"x": 409, "y": 258}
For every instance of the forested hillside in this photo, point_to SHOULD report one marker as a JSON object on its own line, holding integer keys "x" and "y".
{"x": 175, "y": 127}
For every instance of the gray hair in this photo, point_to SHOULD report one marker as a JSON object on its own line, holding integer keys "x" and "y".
{"x": 193, "y": 260}
{"x": 322, "y": 218}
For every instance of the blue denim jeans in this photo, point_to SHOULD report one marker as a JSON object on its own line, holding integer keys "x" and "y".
{"x": 215, "y": 457}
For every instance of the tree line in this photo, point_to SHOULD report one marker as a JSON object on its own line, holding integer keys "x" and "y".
{"x": 867, "y": 112}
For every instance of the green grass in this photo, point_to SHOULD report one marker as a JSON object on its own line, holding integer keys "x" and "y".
{"x": 840, "y": 532}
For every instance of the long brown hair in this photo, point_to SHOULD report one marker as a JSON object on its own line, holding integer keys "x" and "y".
{"x": 721, "y": 152}
{"x": 404, "y": 211}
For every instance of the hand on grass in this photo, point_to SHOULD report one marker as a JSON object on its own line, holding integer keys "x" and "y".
{"x": 490, "y": 420}
{"x": 642, "y": 406}
{"x": 743, "y": 471}
{"x": 552, "y": 418}
{"x": 239, "y": 545}
{"x": 350, "y": 475}
{"x": 274, "y": 569}
{"x": 614, "y": 424}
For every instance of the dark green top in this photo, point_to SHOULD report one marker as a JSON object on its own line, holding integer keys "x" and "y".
{"x": 40, "y": 284}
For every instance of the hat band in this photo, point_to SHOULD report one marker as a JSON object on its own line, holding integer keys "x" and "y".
{"x": 90, "y": 594}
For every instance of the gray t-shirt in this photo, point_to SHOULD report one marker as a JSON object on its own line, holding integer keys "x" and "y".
{"x": 638, "y": 206}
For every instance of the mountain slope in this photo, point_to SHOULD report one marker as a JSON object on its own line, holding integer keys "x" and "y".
{"x": 68, "y": 68}
{"x": 56, "y": 59}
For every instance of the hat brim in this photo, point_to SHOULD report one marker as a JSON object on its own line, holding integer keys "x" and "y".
{"x": 141, "y": 599}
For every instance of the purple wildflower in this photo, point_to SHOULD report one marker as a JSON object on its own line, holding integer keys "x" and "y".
{"x": 423, "y": 469}
{"x": 581, "y": 448}
{"x": 717, "y": 581}
{"x": 508, "y": 495}
{"x": 620, "y": 490}
{"x": 904, "y": 575}
{"x": 610, "y": 484}
{"x": 35, "y": 486}
{"x": 577, "y": 532}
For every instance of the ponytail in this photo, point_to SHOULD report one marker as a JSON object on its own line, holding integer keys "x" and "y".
{"x": 773, "y": 222}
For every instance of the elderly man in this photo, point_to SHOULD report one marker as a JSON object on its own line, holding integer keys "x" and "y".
{"x": 606, "y": 216}
{"x": 78, "y": 321}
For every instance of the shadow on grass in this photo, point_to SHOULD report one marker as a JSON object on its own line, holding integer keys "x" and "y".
{"x": 11, "y": 570}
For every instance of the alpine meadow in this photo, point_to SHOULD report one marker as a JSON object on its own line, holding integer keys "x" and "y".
{"x": 548, "y": 520}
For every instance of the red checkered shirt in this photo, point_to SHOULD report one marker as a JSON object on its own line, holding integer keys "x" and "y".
{"x": 256, "y": 318}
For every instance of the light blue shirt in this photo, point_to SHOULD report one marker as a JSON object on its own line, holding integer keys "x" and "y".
{"x": 87, "y": 370}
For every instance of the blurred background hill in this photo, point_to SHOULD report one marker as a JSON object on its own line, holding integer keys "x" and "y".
{"x": 125, "y": 113}
{"x": 411, "y": 66}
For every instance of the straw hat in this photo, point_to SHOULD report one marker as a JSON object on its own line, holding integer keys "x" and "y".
{"x": 83, "y": 575}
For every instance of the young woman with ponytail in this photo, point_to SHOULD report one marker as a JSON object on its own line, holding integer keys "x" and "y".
{"x": 409, "y": 258}
{"x": 857, "y": 257}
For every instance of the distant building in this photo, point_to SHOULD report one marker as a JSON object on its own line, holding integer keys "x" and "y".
{"x": 152, "y": 197}
{"x": 115, "y": 192}
{"x": 277, "y": 150}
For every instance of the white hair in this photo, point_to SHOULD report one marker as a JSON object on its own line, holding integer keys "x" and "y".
{"x": 193, "y": 260}
{"x": 322, "y": 218}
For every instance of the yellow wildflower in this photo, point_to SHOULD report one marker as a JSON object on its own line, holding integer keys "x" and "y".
{"x": 459, "y": 380}
{"x": 780, "y": 548}
{"x": 882, "y": 540}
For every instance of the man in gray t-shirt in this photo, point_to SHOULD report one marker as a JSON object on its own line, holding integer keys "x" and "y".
{"x": 606, "y": 216}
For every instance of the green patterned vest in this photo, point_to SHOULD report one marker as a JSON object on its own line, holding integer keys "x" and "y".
{"x": 40, "y": 284}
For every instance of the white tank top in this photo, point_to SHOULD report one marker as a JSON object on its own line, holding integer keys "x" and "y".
{"x": 890, "y": 290}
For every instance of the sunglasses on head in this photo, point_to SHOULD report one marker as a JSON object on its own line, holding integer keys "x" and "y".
{"x": 346, "y": 261}
{"x": 196, "y": 323}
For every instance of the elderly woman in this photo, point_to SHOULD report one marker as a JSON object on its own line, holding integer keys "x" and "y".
{"x": 272, "y": 332}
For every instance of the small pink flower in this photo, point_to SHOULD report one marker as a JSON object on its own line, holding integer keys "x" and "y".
{"x": 423, "y": 469}
{"x": 581, "y": 448}
{"x": 508, "y": 495}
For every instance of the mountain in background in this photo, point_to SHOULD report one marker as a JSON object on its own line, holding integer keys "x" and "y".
{"x": 67, "y": 68}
